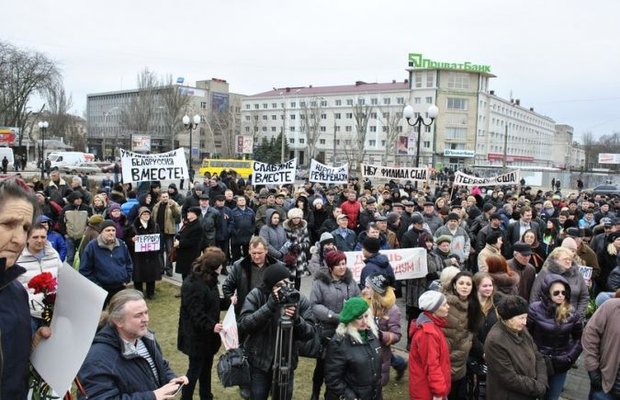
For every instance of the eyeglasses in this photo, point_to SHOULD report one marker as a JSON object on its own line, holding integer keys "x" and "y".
{"x": 559, "y": 292}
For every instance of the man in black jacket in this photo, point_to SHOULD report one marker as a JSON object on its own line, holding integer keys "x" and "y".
{"x": 265, "y": 314}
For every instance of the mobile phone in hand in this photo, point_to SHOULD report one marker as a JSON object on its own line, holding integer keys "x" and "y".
{"x": 178, "y": 391}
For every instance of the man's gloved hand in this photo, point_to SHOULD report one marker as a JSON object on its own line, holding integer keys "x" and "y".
{"x": 596, "y": 379}
{"x": 272, "y": 302}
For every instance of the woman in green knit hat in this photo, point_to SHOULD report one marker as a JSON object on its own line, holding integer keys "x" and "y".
{"x": 352, "y": 361}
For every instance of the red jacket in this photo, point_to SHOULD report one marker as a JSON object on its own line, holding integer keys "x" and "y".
{"x": 429, "y": 359}
{"x": 352, "y": 210}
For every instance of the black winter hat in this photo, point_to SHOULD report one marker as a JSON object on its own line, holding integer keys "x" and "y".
{"x": 274, "y": 274}
{"x": 372, "y": 245}
{"x": 511, "y": 306}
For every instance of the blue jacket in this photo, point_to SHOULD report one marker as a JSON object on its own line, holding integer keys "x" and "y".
{"x": 128, "y": 205}
{"x": 377, "y": 263}
{"x": 104, "y": 267}
{"x": 243, "y": 225}
{"x": 15, "y": 334}
{"x": 58, "y": 243}
{"x": 225, "y": 225}
{"x": 112, "y": 371}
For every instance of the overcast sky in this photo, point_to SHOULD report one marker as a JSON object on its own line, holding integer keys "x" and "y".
{"x": 561, "y": 57}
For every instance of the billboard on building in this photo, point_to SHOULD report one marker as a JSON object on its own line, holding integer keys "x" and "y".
{"x": 141, "y": 143}
{"x": 609, "y": 158}
{"x": 219, "y": 102}
{"x": 8, "y": 135}
{"x": 245, "y": 144}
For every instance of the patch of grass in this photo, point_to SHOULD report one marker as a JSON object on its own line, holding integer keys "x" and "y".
{"x": 164, "y": 320}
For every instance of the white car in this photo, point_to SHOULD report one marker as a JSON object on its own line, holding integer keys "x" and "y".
{"x": 89, "y": 168}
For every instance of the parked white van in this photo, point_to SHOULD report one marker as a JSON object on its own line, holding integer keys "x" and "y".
{"x": 64, "y": 158}
{"x": 8, "y": 153}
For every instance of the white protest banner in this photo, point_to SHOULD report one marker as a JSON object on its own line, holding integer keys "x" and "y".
{"x": 410, "y": 174}
{"x": 509, "y": 178}
{"x": 274, "y": 174}
{"x": 406, "y": 263}
{"x": 229, "y": 333}
{"x": 74, "y": 324}
{"x": 146, "y": 243}
{"x": 324, "y": 174}
{"x": 170, "y": 166}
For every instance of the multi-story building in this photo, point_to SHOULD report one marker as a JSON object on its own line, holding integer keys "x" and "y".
{"x": 111, "y": 123}
{"x": 566, "y": 154}
{"x": 364, "y": 121}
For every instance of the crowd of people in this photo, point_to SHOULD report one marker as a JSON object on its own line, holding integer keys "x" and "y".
{"x": 505, "y": 310}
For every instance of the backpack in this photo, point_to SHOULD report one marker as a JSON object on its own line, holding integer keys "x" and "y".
{"x": 233, "y": 368}
{"x": 75, "y": 222}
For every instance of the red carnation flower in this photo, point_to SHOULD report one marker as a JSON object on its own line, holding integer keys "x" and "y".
{"x": 43, "y": 283}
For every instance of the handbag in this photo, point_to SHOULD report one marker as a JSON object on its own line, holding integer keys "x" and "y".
{"x": 233, "y": 368}
{"x": 172, "y": 256}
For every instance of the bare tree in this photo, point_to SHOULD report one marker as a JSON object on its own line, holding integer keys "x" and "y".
{"x": 310, "y": 116}
{"x": 356, "y": 151}
{"x": 175, "y": 104}
{"x": 223, "y": 127}
{"x": 588, "y": 143}
{"x": 390, "y": 120}
{"x": 58, "y": 105}
{"x": 138, "y": 114}
{"x": 23, "y": 74}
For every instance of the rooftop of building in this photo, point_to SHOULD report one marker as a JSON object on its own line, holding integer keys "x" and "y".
{"x": 358, "y": 87}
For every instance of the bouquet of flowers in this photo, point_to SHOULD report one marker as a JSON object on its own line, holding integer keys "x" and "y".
{"x": 44, "y": 284}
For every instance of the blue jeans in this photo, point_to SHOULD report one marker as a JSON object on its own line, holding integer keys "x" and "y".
{"x": 199, "y": 370}
{"x": 556, "y": 384}
{"x": 600, "y": 395}
{"x": 603, "y": 297}
{"x": 261, "y": 385}
{"x": 72, "y": 246}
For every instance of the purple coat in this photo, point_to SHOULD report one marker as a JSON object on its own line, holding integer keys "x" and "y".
{"x": 389, "y": 325}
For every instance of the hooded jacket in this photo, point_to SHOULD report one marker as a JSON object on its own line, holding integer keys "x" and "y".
{"x": 377, "y": 263}
{"x": 111, "y": 370}
{"x": 274, "y": 235}
{"x": 560, "y": 342}
{"x": 579, "y": 294}
{"x": 429, "y": 359}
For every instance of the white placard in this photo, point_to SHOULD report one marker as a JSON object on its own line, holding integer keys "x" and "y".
{"x": 409, "y": 174}
{"x": 170, "y": 166}
{"x": 274, "y": 174}
{"x": 324, "y": 174}
{"x": 509, "y": 178}
{"x": 74, "y": 324}
{"x": 406, "y": 263}
{"x": 229, "y": 333}
{"x": 146, "y": 243}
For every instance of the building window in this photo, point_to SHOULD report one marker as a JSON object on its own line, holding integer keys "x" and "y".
{"x": 338, "y": 142}
{"x": 361, "y": 102}
{"x": 273, "y": 129}
{"x": 386, "y": 115}
{"x": 264, "y": 118}
{"x": 349, "y": 115}
{"x": 247, "y": 118}
{"x": 264, "y": 129}
{"x": 274, "y": 117}
{"x": 292, "y": 129}
{"x": 429, "y": 100}
{"x": 399, "y": 129}
{"x": 373, "y": 129}
{"x": 337, "y": 128}
{"x": 247, "y": 129}
{"x": 349, "y": 102}
{"x": 291, "y": 140}
{"x": 313, "y": 103}
{"x": 400, "y": 100}
{"x": 387, "y": 101}
{"x": 385, "y": 129}
{"x": 456, "y": 133}
{"x": 373, "y": 115}
{"x": 347, "y": 142}
{"x": 274, "y": 105}
{"x": 323, "y": 103}
{"x": 430, "y": 79}
{"x": 321, "y": 141}
{"x": 247, "y": 106}
{"x": 372, "y": 143}
{"x": 323, "y": 129}
{"x": 293, "y": 104}
{"x": 347, "y": 128}
{"x": 338, "y": 102}
{"x": 302, "y": 141}
{"x": 292, "y": 116}
{"x": 337, "y": 116}
{"x": 256, "y": 106}
{"x": 458, "y": 80}
{"x": 427, "y": 144}
{"x": 323, "y": 116}
{"x": 457, "y": 104}
{"x": 302, "y": 104}
{"x": 418, "y": 80}
{"x": 374, "y": 101}
{"x": 383, "y": 143}
{"x": 417, "y": 100}
{"x": 265, "y": 105}
{"x": 203, "y": 105}
{"x": 427, "y": 129}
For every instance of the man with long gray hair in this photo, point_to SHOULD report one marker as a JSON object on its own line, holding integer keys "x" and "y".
{"x": 125, "y": 359}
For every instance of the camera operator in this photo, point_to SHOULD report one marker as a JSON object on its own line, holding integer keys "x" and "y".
{"x": 265, "y": 318}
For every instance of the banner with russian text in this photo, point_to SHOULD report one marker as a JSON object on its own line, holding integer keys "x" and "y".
{"x": 274, "y": 174}
{"x": 170, "y": 166}
{"x": 409, "y": 174}
{"x": 322, "y": 173}
{"x": 406, "y": 263}
{"x": 509, "y": 178}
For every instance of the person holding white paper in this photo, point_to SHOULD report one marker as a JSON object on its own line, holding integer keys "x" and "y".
{"x": 125, "y": 361}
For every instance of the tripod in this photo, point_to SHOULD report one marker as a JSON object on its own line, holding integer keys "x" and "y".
{"x": 282, "y": 367}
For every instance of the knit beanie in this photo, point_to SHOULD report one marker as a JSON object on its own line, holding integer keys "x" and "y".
{"x": 446, "y": 276}
{"x": 431, "y": 300}
{"x": 106, "y": 224}
{"x": 511, "y": 306}
{"x": 326, "y": 237}
{"x": 444, "y": 238}
{"x": 353, "y": 309}
{"x": 372, "y": 245}
{"x": 377, "y": 282}
{"x": 295, "y": 213}
{"x": 95, "y": 220}
{"x": 274, "y": 274}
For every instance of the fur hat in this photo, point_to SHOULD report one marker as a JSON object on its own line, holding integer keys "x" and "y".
{"x": 446, "y": 276}
{"x": 377, "y": 282}
{"x": 510, "y": 306}
{"x": 372, "y": 245}
{"x": 444, "y": 238}
{"x": 353, "y": 308}
{"x": 274, "y": 274}
{"x": 431, "y": 300}
{"x": 295, "y": 213}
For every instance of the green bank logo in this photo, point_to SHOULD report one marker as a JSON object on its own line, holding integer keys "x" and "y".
{"x": 416, "y": 60}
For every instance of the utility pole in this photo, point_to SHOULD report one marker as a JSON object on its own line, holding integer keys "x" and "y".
{"x": 505, "y": 146}
{"x": 334, "y": 149}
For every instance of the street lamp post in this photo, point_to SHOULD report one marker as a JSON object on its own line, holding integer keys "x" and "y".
{"x": 191, "y": 125}
{"x": 43, "y": 127}
{"x": 408, "y": 113}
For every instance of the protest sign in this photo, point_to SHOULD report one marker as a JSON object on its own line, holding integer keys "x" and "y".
{"x": 274, "y": 174}
{"x": 509, "y": 178}
{"x": 324, "y": 174}
{"x": 586, "y": 272}
{"x": 146, "y": 243}
{"x": 170, "y": 166}
{"x": 410, "y": 174}
{"x": 406, "y": 263}
{"x": 76, "y": 315}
